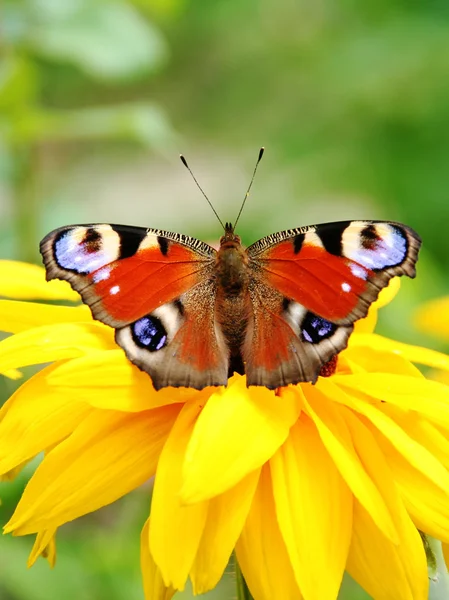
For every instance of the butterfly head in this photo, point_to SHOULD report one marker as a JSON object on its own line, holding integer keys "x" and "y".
{"x": 229, "y": 237}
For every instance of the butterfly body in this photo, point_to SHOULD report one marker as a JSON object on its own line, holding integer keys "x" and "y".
{"x": 190, "y": 315}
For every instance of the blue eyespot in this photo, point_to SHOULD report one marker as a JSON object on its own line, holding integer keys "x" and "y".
{"x": 149, "y": 333}
{"x": 314, "y": 329}
{"x": 377, "y": 252}
{"x": 81, "y": 256}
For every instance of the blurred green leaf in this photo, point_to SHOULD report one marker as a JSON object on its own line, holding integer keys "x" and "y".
{"x": 107, "y": 40}
{"x": 17, "y": 82}
{"x": 145, "y": 123}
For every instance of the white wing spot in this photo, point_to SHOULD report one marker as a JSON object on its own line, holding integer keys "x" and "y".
{"x": 114, "y": 290}
{"x": 345, "y": 287}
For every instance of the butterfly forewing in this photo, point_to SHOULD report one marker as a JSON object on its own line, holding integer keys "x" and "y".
{"x": 336, "y": 270}
{"x": 124, "y": 273}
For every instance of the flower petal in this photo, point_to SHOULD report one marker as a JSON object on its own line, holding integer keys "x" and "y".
{"x": 445, "y": 548}
{"x": 108, "y": 455}
{"x": 175, "y": 530}
{"x": 337, "y": 440}
{"x": 153, "y": 584}
{"x": 368, "y": 323}
{"x": 388, "y": 293}
{"x": 383, "y": 569}
{"x": 16, "y": 316}
{"x": 108, "y": 380}
{"x": 317, "y": 532}
{"x": 35, "y": 418}
{"x": 417, "y": 354}
{"x": 238, "y": 430}
{"x": 428, "y": 317}
{"x": 429, "y": 398}
{"x": 45, "y": 546}
{"x": 226, "y": 517}
{"x": 261, "y": 552}
{"x": 425, "y": 500}
{"x": 418, "y": 456}
{"x": 26, "y": 281}
{"x": 373, "y": 360}
{"x": 54, "y": 342}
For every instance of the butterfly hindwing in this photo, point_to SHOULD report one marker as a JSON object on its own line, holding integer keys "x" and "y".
{"x": 179, "y": 344}
{"x": 285, "y": 342}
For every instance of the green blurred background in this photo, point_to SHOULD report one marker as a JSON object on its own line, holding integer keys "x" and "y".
{"x": 97, "y": 100}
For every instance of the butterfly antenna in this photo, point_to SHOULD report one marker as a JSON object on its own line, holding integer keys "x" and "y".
{"x": 184, "y": 162}
{"x": 261, "y": 151}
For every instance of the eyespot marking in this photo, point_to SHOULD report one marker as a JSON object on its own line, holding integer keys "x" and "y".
{"x": 314, "y": 329}
{"x": 149, "y": 333}
{"x": 83, "y": 250}
{"x": 376, "y": 246}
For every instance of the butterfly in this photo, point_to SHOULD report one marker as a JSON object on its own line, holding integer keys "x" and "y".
{"x": 190, "y": 315}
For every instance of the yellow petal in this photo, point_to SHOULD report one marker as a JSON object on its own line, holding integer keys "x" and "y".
{"x": 34, "y": 419}
{"x": 108, "y": 380}
{"x": 418, "y": 456}
{"x": 368, "y": 324}
{"x": 109, "y": 454}
{"x": 423, "y": 432}
{"x": 45, "y": 546}
{"x": 316, "y": 530}
{"x": 373, "y": 360}
{"x": 54, "y": 342}
{"x": 417, "y": 354}
{"x": 13, "y": 374}
{"x": 425, "y": 500}
{"x": 12, "y": 473}
{"x": 261, "y": 552}
{"x": 445, "y": 548}
{"x": 432, "y": 317}
{"x": 175, "y": 530}
{"x": 427, "y": 397}
{"x": 226, "y": 517}
{"x": 388, "y": 293}
{"x": 383, "y": 569}
{"x": 27, "y": 282}
{"x": 239, "y": 429}
{"x": 16, "y": 316}
{"x": 336, "y": 438}
{"x": 153, "y": 584}
{"x": 387, "y": 571}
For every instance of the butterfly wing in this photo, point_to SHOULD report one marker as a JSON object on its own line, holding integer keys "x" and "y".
{"x": 312, "y": 284}
{"x": 148, "y": 285}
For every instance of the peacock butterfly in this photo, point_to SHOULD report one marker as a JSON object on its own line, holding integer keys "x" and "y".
{"x": 190, "y": 315}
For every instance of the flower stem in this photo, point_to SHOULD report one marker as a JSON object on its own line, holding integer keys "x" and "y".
{"x": 243, "y": 592}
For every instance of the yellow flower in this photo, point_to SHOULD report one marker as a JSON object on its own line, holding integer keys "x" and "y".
{"x": 433, "y": 318}
{"x": 303, "y": 483}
